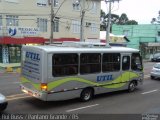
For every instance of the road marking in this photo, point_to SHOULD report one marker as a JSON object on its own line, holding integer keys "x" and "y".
{"x": 149, "y": 91}
{"x": 16, "y": 82}
{"x": 10, "y": 96}
{"x": 147, "y": 76}
{"x": 17, "y": 96}
{"x": 82, "y": 108}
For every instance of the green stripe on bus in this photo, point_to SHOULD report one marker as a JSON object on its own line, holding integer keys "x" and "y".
{"x": 35, "y": 85}
{"x": 118, "y": 82}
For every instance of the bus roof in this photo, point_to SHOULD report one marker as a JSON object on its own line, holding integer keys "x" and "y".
{"x": 58, "y": 49}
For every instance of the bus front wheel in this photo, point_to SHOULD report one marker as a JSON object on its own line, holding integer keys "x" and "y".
{"x": 132, "y": 86}
{"x": 86, "y": 94}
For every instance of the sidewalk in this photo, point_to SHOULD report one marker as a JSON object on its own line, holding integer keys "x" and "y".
{"x": 10, "y": 68}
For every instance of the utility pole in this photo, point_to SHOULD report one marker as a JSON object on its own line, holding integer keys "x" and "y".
{"x": 82, "y": 21}
{"x": 52, "y": 22}
{"x": 109, "y": 20}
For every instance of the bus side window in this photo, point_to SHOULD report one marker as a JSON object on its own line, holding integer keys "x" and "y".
{"x": 90, "y": 63}
{"x": 65, "y": 64}
{"x": 136, "y": 62}
{"x": 125, "y": 62}
{"x": 111, "y": 62}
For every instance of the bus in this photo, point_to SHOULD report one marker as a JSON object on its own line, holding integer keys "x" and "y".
{"x": 61, "y": 72}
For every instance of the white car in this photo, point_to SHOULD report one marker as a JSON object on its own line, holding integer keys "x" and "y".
{"x": 3, "y": 102}
{"x": 155, "y": 73}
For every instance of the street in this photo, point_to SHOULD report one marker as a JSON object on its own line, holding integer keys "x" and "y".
{"x": 146, "y": 99}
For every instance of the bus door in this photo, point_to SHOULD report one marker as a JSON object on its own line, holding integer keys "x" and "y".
{"x": 126, "y": 67}
{"x": 136, "y": 64}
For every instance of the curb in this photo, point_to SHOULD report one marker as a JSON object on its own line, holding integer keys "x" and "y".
{"x": 9, "y": 70}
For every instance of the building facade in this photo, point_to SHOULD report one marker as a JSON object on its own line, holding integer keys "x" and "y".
{"x": 29, "y": 22}
{"x": 144, "y": 37}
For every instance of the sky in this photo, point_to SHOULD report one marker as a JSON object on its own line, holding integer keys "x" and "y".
{"x": 140, "y": 10}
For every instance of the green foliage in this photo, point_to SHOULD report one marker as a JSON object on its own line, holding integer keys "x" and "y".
{"x": 115, "y": 19}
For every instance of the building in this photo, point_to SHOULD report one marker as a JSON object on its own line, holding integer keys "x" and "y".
{"x": 114, "y": 40}
{"x": 29, "y": 22}
{"x": 144, "y": 37}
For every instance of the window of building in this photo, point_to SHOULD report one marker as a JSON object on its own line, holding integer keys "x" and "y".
{"x": 1, "y": 54}
{"x": 56, "y": 25}
{"x": 12, "y": 1}
{"x": 0, "y": 20}
{"x": 42, "y": 3}
{"x": 126, "y": 32}
{"x": 158, "y": 33}
{"x": 111, "y": 62}
{"x": 56, "y": 3}
{"x": 12, "y": 20}
{"x": 65, "y": 64}
{"x": 76, "y": 5}
{"x": 94, "y": 7}
{"x": 93, "y": 28}
{"x": 76, "y": 26}
{"x": 90, "y": 63}
{"x": 42, "y": 24}
{"x": 125, "y": 62}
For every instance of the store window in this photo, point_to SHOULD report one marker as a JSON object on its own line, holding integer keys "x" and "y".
{"x": 14, "y": 54}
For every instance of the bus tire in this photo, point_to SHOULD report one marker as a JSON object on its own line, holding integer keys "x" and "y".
{"x": 86, "y": 94}
{"x": 132, "y": 86}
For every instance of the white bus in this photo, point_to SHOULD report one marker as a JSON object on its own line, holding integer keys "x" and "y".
{"x": 52, "y": 73}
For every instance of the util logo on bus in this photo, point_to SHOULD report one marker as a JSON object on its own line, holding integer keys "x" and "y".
{"x": 33, "y": 56}
{"x": 103, "y": 78}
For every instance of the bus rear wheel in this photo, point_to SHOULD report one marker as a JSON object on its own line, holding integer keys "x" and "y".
{"x": 132, "y": 86}
{"x": 86, "y": 94}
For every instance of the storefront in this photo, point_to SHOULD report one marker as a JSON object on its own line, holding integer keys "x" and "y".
{"x": 10, "y": 48}
{"x": 149, "y": 48}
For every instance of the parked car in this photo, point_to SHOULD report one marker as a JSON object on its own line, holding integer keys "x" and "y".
{"x": 3, "y": 102}
{"x": 155, "y": 72}
{"x": 156, "y": 57}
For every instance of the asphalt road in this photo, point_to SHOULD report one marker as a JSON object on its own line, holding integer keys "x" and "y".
{"x": 146, "y": 99}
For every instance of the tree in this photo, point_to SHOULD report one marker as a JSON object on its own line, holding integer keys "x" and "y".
{"x": 123, "y": 19}
{"x": 115, "y": 19}
{"x": 104, "y": 20}
{"x": 131, "y": 22}
{"x": 156, "y": 20}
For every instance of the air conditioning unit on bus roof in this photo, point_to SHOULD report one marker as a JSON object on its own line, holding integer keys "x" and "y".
{"x": 84, "y": 44}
